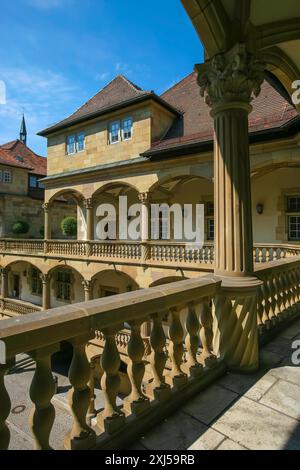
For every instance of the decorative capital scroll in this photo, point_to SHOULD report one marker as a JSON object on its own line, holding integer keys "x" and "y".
{"x": 87, "y": 285}
{"x": 46, "y": 206}
{"x": 144, "y": 197}
{"x": 4, "y": 271}
{"x": 231, "y": 77}
{"x": 44, "y": 278}
{"x": 88, "y": 203}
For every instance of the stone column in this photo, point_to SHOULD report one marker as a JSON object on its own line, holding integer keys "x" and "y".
{"x": 145, "y": 225}
{"x": 88, "y": 204}
{"x": 228, "y": 82}
{"x": 145, "y": 249}
{"x": 88, "y": 294}
{"x": 4, "y": 282}
{"x": 45, "y": 278}
{"x": 47, "y": 221}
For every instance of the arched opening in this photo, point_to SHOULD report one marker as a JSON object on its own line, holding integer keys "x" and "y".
{"x": 112, "y": 282}
{"x": 111, "y": 223}
{"x": 65, "y": 286}
{"x": 66, "y": 218}
{"x": 24, "y": 282}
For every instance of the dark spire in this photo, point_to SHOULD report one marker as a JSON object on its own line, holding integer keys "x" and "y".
{"x": 23, "y": 131}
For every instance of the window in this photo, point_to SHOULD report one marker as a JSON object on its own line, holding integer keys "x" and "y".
{"x": 294, "y": 228}
{"x": 127, "y": 129}
{"x": 71, "y": 144}
{"x": 294, "y": 204}
{"x": 7, "y": 176}
{"x": 80, "y": 142}
{"x": 210, "y": 208}
{"x": 114, "y": 132}
{"x": 293, "y": 218}
{"x": 32, "y": 181}
{"x": 210, "y": 229}
{"x": 63, "y": 285}
{"x": 36, "y": 282}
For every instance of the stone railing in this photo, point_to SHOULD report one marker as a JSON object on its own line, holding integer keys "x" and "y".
{"x": 156, "y": 251}
{"x": 264, "y": 253}
{"x": 279, "y": 295}
{"x": 14, "y": 307}
{"x": 187, "y": 307}
{"x": 179, "y": 252}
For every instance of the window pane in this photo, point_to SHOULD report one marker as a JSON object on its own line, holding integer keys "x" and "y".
{"x": 80, "y": 142}
{"x": 210, "y": 229}
{"x": 71, "y": 142}
{"x": 127, "y": 129}
{"x": 7, "y": 177}
{"x": 32, "y": 181}
{"x": 114, "y": 132}
{"x": 294, "y": 203}
{"x": 294, "y": 228}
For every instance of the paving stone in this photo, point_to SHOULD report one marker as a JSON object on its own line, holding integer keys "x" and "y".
{"x": 228, "y": 444}
{"x": 258, "y": 427}
{"x": 178, "y": 432}
{"x": 287, "y": 372}
{"x": 269, "y": 359}
{"x": 210, "y": 403}
{"x": 284, "y": 397}
{"x": 208, "y": 441}
{"x": 239, "y": 383}
{"x": 261, "y": 387}
{"x": 280, "y": 346}
{"x": 291, "y": 331}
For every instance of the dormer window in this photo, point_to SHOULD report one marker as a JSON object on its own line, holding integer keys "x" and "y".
{"x": 75, "y": 143}
{"x": 19, "y": 158}
{"x": 120, "y": 130}
{"x": 127, "y": 129}
{"x": 114, "y": 132}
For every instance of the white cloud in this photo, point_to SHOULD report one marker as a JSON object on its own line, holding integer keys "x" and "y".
{"x": 102, "y": 76}
{"x": 123, "y": 68}
{"x": 43, "y": 95}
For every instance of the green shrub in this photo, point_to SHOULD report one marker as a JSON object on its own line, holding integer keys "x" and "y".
{"x": 69, "y": 227}
{"x": 20, "y": 228}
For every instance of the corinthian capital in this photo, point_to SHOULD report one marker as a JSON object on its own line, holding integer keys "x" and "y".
{"x": 231, "y": 77}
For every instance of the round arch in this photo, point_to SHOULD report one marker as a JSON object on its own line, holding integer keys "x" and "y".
{"x": 72, "y": 193}
{"x": 112, "y": 282}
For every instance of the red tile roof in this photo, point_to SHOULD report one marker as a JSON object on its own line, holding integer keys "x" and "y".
{"x": 270, "y": 111}
{"x": 17, "y": 154}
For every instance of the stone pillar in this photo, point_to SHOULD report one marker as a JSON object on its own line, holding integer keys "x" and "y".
{"x": 88, "y": 204}
{"x": 145, "y": 249}
{"x": 88, "y": 294}
{"x": 228, "y": 82}
{"x": 45, "y": 278}
{"x": 47, "y": 221}
{"x": 145, "y": 225}
{"x": 4, "y": 282}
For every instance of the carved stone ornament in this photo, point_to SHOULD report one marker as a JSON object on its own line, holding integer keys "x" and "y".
{"x": 231, "y": 77}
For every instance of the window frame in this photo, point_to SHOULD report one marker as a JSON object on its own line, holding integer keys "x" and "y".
{"x": 111, "y": 124}
{"x": 67, "y": 144}
{"x": 5, "y": 173}
{"x": 38, "y": 290}
{"x": 208, "y": 228}
{"x": 293, "y": 213}
{"x": 63, "y": 287}
{"x": 77, "y": 141}
{"x": 129, "y": 118}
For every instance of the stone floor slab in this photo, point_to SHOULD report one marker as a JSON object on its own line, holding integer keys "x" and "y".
{"x": 208, "y": 441}
{"x": 178, "y": 432}
{"x": 261, "y": 387}
{"x": 284, "y": 397}
{"x": 258, "y": 427}
{"x": 228, "y": 444}
{"x": 210, "y": 403}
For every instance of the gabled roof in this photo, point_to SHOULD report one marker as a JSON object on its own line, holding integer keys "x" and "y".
{"x": 119, "y": 93}
{"x": 17, "y": 154}
{"x": 271, "y": 111}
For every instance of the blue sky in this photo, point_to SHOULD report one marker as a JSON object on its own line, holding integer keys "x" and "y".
{"x": 56, "y": 54}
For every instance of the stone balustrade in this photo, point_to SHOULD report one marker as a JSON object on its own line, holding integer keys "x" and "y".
{"x": 279, "y": 295}
{"x": 140, "y": 252}
{"x": 14, "y": 307}
{"x": 184, "y": 305}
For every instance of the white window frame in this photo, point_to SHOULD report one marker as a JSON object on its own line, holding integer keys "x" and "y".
{"x": 77, "y": 142}
{"x": 69, "y": 137}
{"x": 5, "y": 174}
{"x": 110, "y": 132}
{"x": 123, "y": 122}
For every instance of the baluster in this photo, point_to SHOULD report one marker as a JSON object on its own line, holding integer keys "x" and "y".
{"x": 5, "y": 407}
{"x": 81, "y": 435}
{"x": 206, "y": 334}
{"x": 136, "y": 402}
{"x": 158, "y": 358}
{"x": 42, "y": 389}
{"x": 268, "y": 255}
{"x": 91, "y": 410}
{"x": 112, "y": 418}
{"x": 176, "y": 348}
{"x": 192, "y": 341}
